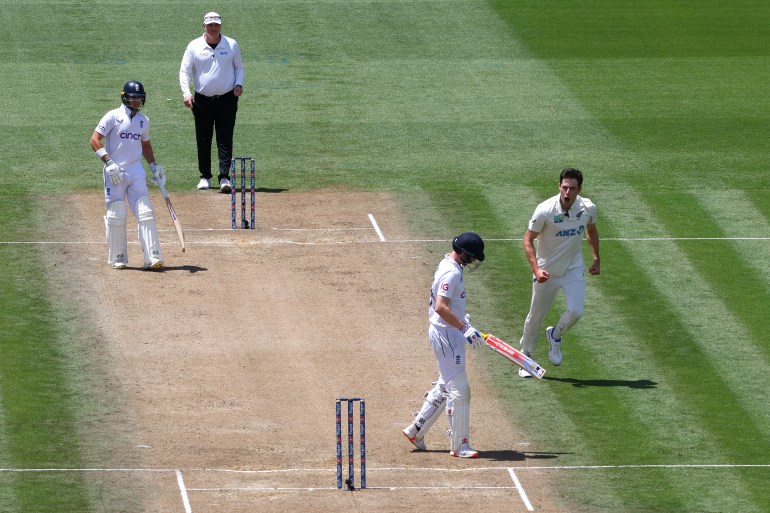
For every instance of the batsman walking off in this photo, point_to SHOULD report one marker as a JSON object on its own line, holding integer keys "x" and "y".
{"x": 448, "y": 332}
{"x": 558, "y": 225}
{"x": 127, "y": 133}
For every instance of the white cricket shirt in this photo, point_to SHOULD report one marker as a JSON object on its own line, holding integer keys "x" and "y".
{"x": 447, "y": 282}
{"x": 124, "y": 135}
{"x": 215, "y": 71}
{"x": 561, "y": 233}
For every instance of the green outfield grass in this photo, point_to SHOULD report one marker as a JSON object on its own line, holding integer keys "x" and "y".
{"x": 466, "y": 111}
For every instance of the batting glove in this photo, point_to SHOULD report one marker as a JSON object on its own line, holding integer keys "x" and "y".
{"x": 113, "y": 171}
{"x": 158, "y": 175}
{"x": 472, "y": 335}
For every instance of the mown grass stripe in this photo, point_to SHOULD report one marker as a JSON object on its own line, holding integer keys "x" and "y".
{"x": 623, "y": 319}
{"x": 7, "y": 482}
{"x": 735, "y": 286}
{"x": 37, "y": 401}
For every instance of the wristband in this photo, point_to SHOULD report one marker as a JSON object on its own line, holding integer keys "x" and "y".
{"x": 101, "y": 152}
{"x": 465, "y": 328}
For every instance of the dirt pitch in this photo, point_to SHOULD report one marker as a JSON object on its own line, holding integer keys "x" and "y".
{"x": 223, "y": 367}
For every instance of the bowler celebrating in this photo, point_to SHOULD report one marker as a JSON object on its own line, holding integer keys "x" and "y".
{"x": 558, "y": 224}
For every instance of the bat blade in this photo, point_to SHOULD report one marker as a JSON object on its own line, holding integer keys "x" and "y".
{"x": 172, "y": 212}
{"x": 514, "y": 355}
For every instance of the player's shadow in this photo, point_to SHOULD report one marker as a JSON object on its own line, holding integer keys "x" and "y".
{"x": 266, "y": 189}
{"x": 507, "y": 455}
{"x": 192, "y": 269}
{"x": 510, "y": 455}
{"x": 642, "y": 384}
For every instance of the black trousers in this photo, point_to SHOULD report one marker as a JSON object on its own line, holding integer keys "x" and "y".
{"x": 214, "y": 112}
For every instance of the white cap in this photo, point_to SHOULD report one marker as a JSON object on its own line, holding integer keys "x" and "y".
{"x": 212, "y": 17}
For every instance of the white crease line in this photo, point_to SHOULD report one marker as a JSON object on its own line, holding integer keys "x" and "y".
{"x": 400, "y": 469}
{"x": 520, "y": 488}
{"x": 336, "y": 490}
{"x": 183, "y": 491}
{"x": 382, "y": 239}
{"x": 318, "y": 229}
{"x": 376, "y": 228}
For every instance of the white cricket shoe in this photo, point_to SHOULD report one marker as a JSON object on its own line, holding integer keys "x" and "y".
{"x": 554, "y": 347}
{"x": 155, "y": 263}
{"x": 410, "y": 432}
{"x": 465, "y": 452}
{"x": 224, "y": 186}
{"x": 204, "y": 184}
{"x": 119, "y": 265}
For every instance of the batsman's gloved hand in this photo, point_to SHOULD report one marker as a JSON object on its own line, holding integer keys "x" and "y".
{"x": 158, "y": 175}
{"x": 472, "y": 335}
{"x": 113, "y": 171}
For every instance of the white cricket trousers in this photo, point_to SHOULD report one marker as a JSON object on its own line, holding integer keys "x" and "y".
{"x": 543, "y": 294}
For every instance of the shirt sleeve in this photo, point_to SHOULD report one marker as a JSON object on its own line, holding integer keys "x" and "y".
{"x": 446, "y": 284}
{"x": 184, "y": 71}
{"x": 238, "y": 64}
{"x": 537, "y": 223}
{"x": 592, "y": 213}
{"x": 146, "y": 132}
{"x": 105, "y": 124}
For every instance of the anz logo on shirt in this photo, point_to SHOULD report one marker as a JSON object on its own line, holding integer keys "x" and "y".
{"x": 571, "y": 232}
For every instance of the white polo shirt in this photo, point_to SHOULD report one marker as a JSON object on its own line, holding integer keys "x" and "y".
{"x": 215, "y": 71}
{"x": 561, "y": 233}
{"x": 124, "y": 135}
{"x": 447, "y": 282}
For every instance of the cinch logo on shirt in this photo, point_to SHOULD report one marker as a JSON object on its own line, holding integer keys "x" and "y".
{"x": 128, "y": 135}
{"x": 570, "y": 232}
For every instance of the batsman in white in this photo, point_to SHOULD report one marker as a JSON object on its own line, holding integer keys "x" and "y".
{"x": 448, "y": 332}
{"x": 558, "y": 225}
{"x": 127, "y": 135}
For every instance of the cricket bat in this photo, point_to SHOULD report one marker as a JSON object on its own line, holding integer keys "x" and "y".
{"x": 171, "y": 211}
{"x": 513, "y": 355}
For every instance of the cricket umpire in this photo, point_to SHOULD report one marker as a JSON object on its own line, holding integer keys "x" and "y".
{"x": 214, "y": 60}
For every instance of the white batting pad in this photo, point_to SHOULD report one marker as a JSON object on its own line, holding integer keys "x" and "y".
{"x": 459, "y": 410}
{"x": 431, "y": 409}
{"x": 148, "y": 231}
{"x": 115, "y": 225}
